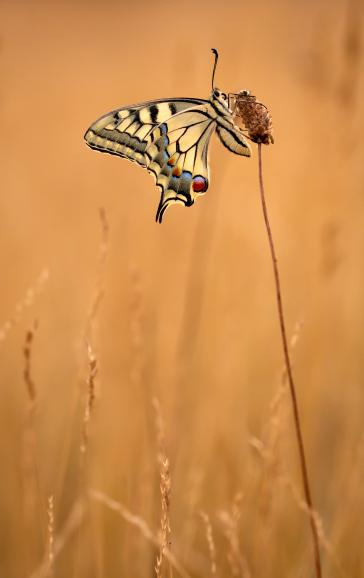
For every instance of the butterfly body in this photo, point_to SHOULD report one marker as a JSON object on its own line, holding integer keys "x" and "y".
{"x": 170, "y": 138}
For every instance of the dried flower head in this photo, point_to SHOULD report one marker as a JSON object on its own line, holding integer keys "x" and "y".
{"x": 254, "y": 115}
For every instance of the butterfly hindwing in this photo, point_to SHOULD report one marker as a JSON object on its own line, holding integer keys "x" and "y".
{"x": 125, "y": 132}
{"x": 177, "y": 157}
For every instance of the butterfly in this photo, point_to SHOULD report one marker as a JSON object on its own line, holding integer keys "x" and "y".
{"x": 170, "y": 138}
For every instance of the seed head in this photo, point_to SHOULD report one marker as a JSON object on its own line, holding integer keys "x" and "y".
{"x": 254, "y": 115}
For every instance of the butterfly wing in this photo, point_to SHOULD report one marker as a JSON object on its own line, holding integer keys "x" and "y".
{"x": 177, "y": 156}
{"x": 232, "y": 138}
{"x": 170, "y": 138}
{"x": 126, "y": 131}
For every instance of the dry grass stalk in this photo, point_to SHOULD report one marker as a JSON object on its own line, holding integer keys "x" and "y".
{"x": 287, "y": 360}
{"x": 90, "y": 399}
{"x": 27, "y": 352}
{"x": 210, "y": 541}
{"x": 165, "y": 488}
{"x": 94, "y": 308}
{"x": 230, "y": 522}
{"x": 132, "y": 519}
{"x": 73, "y": 521}
{"x": 142, "y": 526}
{"x": 266, "y": 447}
{"x": 267, "y": 456}
{"x": 268, "y": 450}
{"x": 92, "y": 363}
{"x": 24, "y": 304}
{"x": 165, "y": 529}
{"x": 31, "y": 485}
{"x": 317, "y": 520}
{"x": 297, "y": 330}
{"x": 99, "y": 291}
{"x": 50, "y": 534}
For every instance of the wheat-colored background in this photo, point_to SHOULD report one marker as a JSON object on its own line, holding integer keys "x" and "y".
{"x": 188, "y": 313}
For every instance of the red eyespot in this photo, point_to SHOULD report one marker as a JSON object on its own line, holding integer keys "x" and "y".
{"x": 200, "y": 184}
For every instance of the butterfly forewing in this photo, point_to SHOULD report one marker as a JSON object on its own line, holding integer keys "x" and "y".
{"x": 233, "y": 140}
{"x": 125, "y": 132}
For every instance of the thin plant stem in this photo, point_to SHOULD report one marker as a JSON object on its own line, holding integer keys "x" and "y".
{"x": 292, "y": 387}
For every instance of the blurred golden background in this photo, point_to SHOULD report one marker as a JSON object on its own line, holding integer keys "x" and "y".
{"x": 185, "y": 312}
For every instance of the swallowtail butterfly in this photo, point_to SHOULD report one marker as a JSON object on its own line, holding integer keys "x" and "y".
{"x": 170, "y": 138}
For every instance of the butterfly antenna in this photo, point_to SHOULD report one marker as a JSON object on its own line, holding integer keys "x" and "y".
{"x": 215, "y": 64}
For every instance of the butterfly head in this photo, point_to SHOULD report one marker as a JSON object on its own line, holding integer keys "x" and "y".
{"x": 220, "y": 99}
